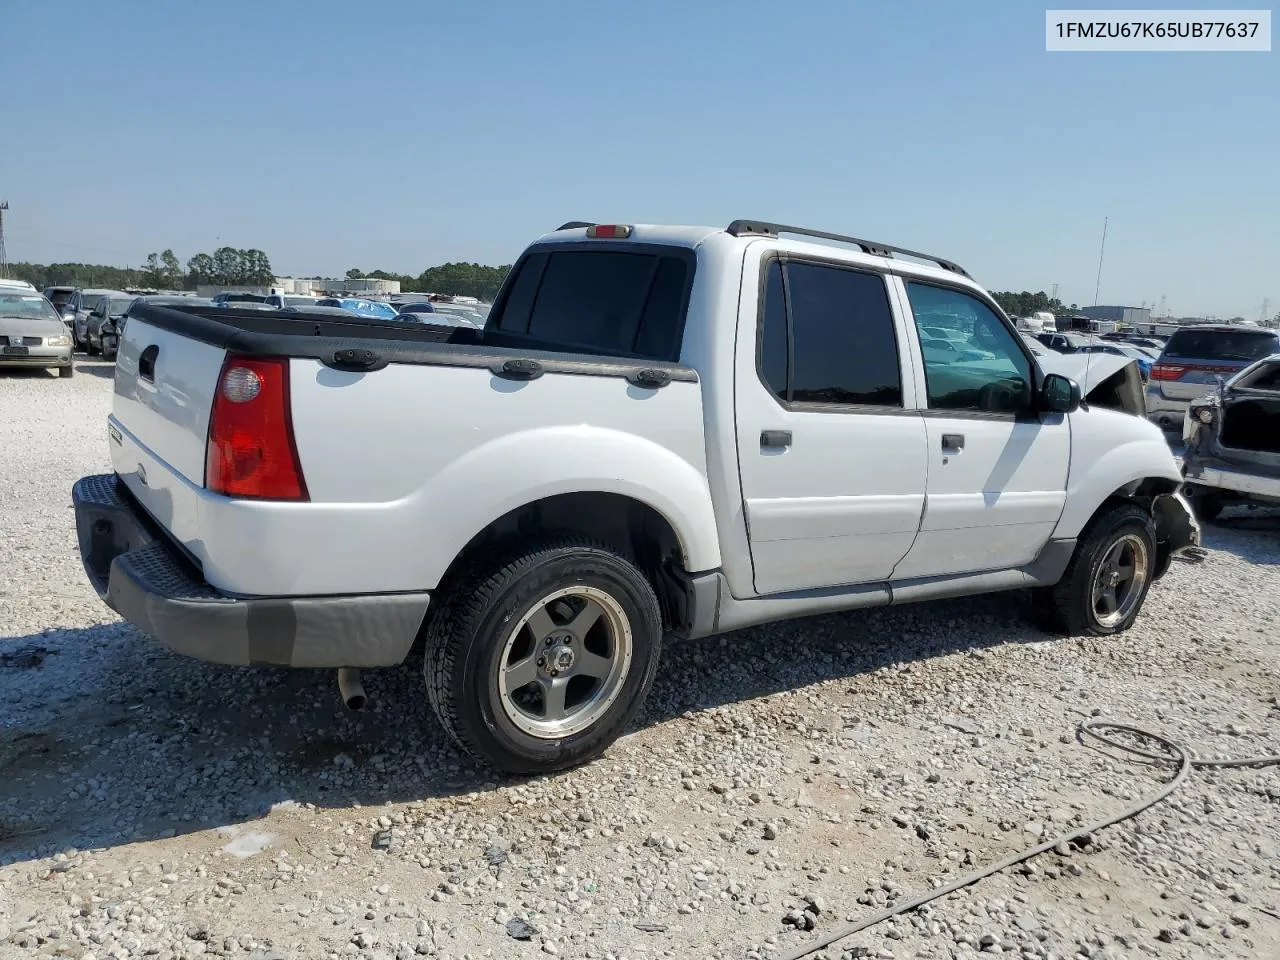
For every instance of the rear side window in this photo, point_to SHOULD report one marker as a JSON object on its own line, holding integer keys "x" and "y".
{"x": 601, "y": 301}
{"x": 827, "y": 336}
{"x": 1244, "y": 345}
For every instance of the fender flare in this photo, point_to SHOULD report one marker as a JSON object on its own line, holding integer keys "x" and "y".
{"x": 1127, "y": 465}
{"x": 518, "y": 469}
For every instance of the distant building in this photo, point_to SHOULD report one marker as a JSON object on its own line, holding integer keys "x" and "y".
{"x": 1129, "y": 316}
{"x": 368, "y": 285}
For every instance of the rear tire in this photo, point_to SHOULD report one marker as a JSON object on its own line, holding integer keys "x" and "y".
{"x": 1105, "y": 584}
{"x": 68, "y": 371}
{"x": 537, "y": 660}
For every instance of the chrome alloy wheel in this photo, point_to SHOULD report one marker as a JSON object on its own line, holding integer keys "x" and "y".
{"x": 1119, "y": 579}
{"x": 565, "y": 662}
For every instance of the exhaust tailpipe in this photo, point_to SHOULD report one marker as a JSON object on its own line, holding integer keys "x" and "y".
{"x": 351, "y": 689}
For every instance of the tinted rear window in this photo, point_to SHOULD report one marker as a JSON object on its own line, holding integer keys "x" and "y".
{"x": 601, "y": 301}
{"x": 1242, "y": 345}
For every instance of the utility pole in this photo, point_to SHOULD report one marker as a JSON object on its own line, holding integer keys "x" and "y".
{"x": 1102, "y": 250}
{"x": 1266, "y": 302}
{"x": 4, "y": 261}
{"x": 1054, "y": 295}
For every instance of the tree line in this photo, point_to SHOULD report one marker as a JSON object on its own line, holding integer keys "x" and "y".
{"x": 1026, "y": 303}
{"x": 458, "y": 279}
{"x": 226, "y": 266}
{"x": 231, "y": 266}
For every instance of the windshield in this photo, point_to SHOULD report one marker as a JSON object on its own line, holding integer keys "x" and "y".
{"x": 28, "y": 305}
{"x": 119, "y": 305}
{"x": 1243, "y": 345}
{"x": 90, "y": 300}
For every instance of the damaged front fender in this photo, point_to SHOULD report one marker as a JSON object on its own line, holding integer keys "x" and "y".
{"x": 1177, "y": 530}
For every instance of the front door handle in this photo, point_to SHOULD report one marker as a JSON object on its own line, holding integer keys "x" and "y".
{"x": 953, "y": 441}
{"x": 775, "y": 438}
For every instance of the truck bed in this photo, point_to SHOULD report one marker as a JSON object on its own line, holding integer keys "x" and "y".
{"x": 408, "y": 436}
{"x": 336, "y": 342}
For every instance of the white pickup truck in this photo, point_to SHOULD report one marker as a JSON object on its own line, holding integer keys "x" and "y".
{"x": 662, "y": 431}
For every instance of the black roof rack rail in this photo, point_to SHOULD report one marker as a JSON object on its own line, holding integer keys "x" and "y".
{"x": 573, "y": 225}
{"x": 762, "y": 228}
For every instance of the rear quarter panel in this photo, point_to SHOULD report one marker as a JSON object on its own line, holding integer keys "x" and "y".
{"x": 407, "y": 464}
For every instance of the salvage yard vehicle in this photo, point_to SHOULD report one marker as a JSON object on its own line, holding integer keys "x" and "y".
{"x": 79, "y": 306}
{"x": 662, "y": 431}
{"x": 1232, "y": 441}
{"x": 1196, "y": 359}
{"x": 109, "y": 309}
{"x": 32, "y": 333}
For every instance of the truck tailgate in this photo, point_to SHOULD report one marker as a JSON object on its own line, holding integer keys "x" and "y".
{"x": 159, "y": 423}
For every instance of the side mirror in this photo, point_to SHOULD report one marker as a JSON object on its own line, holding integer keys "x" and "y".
{"x": 68, "y": 315}
{"x": 1059, "y": 394}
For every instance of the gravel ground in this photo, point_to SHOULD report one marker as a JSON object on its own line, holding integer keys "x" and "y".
{"x": 783, "y": 779}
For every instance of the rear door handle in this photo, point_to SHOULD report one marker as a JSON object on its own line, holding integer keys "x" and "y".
{"x": 953, "y": 441}
{"x": 775, "y": 438}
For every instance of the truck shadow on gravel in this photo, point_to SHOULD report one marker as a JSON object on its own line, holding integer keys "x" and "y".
{"x": 106, "y": 739}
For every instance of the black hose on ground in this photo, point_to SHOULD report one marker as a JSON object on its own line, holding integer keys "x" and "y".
{"x": 1176, "y": 754}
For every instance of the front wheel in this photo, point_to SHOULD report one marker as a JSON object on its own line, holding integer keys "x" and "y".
{"x": 1107, "y": 580}
{"x": 68, "y": 371}
{"x": 537, "y": 662}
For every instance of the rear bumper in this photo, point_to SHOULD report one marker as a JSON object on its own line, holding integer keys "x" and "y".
{"x": 145, "y": 579}
{"x": 1165, "y": 411}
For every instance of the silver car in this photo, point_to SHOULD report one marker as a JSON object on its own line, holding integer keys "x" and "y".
{"x": 32, "y": 334}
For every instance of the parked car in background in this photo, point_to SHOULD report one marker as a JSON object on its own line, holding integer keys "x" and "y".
{"x": 227, "y": 297}
{"x": 414, "y": 306}
{"x": 80, "y": 305}
{"x": 1232, "y": 441}
{"x": 108, "y": 308}
{"x": 32, "y": 333}
{"x": 1193, "y": 361}
{"x": 282, "y": 300}
{"x": 1063, "y": 342}
{"x": 361, "y": 307}
{"x": 110, "y": 330}
{"x": 58, "y": 296}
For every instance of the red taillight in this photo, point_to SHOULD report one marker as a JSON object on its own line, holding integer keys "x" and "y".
{"x": 608, "y": 231}
{"x": 1167, "y": 371}
{"x": 251, "y": 451}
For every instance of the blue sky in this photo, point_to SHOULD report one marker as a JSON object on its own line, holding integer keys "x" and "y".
{"x": 403, "y": 133}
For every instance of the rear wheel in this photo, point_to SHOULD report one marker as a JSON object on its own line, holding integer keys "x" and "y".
{"x": 538, "y": 661}
{"x": 1106, "y": 582}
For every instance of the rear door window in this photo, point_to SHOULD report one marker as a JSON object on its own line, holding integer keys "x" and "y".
{"x": 601, "y": 301}
{"x": 1238, "y": 345}
{"x": 827, "y": 337}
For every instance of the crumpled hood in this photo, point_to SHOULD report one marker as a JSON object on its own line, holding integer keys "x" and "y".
{"x": 1086, "y": 369}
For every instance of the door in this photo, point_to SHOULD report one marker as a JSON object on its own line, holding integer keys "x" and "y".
{"x": 997, "y": 470}
{"x": 831, "y": 451}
